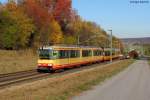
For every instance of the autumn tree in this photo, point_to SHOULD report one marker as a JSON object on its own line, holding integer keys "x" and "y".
{"x": 15, "y": 27}
{"x": 61, "y": 10}
{"x": 133, "y": 54}
{"x": 47, "y": 29}
{"x": 56, "y": 35}
{"x": 62, "y": 13}
{"x": 89, "y": 33}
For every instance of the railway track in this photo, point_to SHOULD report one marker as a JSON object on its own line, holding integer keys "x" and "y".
{"x": 16, "y": 73}
{"x": 19, "y": 77}
{"x": 32, "y": 75}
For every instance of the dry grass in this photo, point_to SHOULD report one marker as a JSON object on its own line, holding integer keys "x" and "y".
{"x": 13, "y": 61}
{"x": 64, "y": 87}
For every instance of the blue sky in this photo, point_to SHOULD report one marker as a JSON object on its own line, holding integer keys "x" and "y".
{"x": 124, "y": 18}
{"x": 3, "y": 1}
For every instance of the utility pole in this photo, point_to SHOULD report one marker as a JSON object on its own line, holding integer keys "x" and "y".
{"x": 120, "y": 52}
{"x": 78, "y": 40}
{"x": 110, "y": 45}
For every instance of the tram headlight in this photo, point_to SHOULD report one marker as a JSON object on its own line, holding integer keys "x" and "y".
{"x": 50, "y": 64}
{"x": 39, "y": 64}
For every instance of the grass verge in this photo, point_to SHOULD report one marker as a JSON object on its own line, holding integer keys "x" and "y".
{"x": 13, "y": 61}
{"x": 64, "y": 87}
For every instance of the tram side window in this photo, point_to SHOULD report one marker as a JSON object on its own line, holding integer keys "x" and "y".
{"x": 107, "y": 53}
{"x": 97, "y": 52}
{"x": 101, "y": 52}
{"x": 63, "y": 54}
{"x": 74, "y": 53}
{"x": 113, "y": 53}
{"x": 55, "y": 54}
{"x": 86, "y": 53}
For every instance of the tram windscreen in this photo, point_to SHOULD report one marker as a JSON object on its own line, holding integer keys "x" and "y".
{"x": 45, "y": 54}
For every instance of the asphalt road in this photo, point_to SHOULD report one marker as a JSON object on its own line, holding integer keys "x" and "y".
{"x": 131, "y": 84}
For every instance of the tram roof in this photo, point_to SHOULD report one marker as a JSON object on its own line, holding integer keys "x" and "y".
{"x": 116, "y": 49}
{"x": 73, "y": 46}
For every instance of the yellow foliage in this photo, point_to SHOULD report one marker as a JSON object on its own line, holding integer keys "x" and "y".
{"x": 56, "y": 35}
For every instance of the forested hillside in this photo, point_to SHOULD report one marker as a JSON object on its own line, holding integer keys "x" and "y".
{"x": 33, "y": 23}
{"x": 144, "y": 40}
{"x": 142, "y": 43}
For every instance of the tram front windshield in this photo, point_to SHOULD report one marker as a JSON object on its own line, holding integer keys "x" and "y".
{"x": 45, "y": 54}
